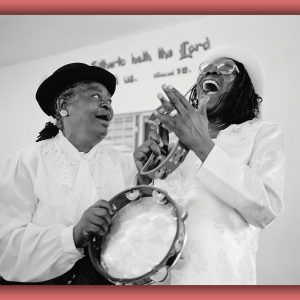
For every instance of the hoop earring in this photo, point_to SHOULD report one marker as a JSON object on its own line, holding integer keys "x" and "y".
{"x": 63, "y": 113}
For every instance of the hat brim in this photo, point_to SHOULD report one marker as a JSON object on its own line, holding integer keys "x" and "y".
{"x": 250, "y": 61}
{"x": 57, "y": 82}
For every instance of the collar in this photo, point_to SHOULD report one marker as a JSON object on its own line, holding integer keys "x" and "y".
{"x": 72, "y": 151}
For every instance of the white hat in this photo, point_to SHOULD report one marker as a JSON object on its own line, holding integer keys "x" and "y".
{"x": 244, "y": 56}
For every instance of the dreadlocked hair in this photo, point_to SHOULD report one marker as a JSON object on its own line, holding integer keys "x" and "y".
{"x": 239, "y": 105}
{"x": 50, "y": 130}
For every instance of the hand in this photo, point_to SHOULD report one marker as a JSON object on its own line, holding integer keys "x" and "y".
{"x": 143, "y": 152}
{"x": 94, "y": 222}
{"x": 189, "y": 125}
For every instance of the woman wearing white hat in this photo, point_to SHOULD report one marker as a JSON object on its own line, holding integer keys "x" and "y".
{"x": 231, "y": 182}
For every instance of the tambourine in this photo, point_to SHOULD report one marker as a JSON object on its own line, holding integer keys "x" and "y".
{"x": 145, "y": 239}
{"x": 159, "y": 167}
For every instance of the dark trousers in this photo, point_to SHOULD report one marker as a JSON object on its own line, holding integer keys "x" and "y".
{"x": 82, "y": 273}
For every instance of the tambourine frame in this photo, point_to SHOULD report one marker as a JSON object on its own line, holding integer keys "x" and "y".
{"x": 173, "y": 159}
{"x": 120, "y": 201}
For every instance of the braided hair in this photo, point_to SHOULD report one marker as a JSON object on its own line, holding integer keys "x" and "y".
{"x": 51, "y": 130}
{"x": 238, "y": 105}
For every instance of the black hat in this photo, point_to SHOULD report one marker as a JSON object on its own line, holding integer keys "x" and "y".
{"x": 68, "y": 75}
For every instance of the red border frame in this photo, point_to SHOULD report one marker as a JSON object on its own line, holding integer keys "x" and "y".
{"x": 150, "y": 292}
{"x": 150, "y": 7}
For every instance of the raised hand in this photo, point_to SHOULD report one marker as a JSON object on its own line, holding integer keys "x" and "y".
{"x": 189, "y": 125}
{"x": 143, "y": 152}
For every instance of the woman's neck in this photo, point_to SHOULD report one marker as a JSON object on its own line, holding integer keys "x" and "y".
{"x": 80, "y": 142}
{"x": 215, "y": 127}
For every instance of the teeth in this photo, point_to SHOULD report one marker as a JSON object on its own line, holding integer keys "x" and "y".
{"x": 204, "y": 85}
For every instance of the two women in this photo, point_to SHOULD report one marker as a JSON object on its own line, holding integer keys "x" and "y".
{"x": 231, "y": 182}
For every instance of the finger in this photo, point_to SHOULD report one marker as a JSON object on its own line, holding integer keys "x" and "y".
{"x": 140, "y": 159}
{"x": 157, "y": 138}
{"x": 154, "y": 136}
{"x": 154, "y": 124}
{"x": 153, "y": 127}
{"x": 202, "y": 105}
{"x": 139, "y": 165}
{"x": 141, "y": 156}
{"x": 167, "y": 105}
{"x": 98, "y": 226}
{"x": 144, "y": 151}
{"x": 173, "y": 98}
{"x": 151, "y": 145}
{"x": 181, "y": 97}
{"x": 104, "y": 214}
{"x": 104, "y": 204}
{"x": 167, "y": 121}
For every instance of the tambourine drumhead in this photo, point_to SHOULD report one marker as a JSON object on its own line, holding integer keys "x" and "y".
{"x": 140, "y": 237}
{"x": 145, "y": 239}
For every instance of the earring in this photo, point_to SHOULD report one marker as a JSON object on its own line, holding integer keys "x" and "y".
{"x": 63, "y": 113}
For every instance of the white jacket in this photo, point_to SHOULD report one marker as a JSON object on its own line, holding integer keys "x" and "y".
{"x": 236, "y": 192}
{"x": 44, "y": 189}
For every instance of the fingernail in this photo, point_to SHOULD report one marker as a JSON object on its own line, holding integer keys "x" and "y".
{"x": 159, "y": 96}
{"x": 160, "y": 144}
{"x": 164, "y": 86}
{"x": 155, "y": 113}
{"x": 170, "y": 87}
{"x": 114, "y": 209}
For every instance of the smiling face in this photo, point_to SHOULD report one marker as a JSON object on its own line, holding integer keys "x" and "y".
{"x": 89, "y": 115}
{"x": 214, "y": 84}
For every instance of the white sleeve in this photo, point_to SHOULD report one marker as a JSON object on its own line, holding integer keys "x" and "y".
{"x": 128, "y": 167}
{"x": 254, "y": 190}
{"x": 29, "y": 253}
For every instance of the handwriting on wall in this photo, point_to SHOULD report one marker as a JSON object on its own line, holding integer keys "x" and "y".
{"x": 186, "y": 50}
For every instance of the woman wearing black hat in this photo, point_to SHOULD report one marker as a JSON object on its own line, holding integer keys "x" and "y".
{"x": 50, "y": 192}
{"x": 231, "y": 182}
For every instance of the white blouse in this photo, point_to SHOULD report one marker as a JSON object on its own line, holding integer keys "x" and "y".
{"x": 236, "y": 192}
{"x": 44, "y": 189}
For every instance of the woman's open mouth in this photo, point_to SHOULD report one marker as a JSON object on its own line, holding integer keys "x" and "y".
{"x": 104, "y": 118}
{"x": 210, "y": 85}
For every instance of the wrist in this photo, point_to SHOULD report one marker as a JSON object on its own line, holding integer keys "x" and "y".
{"x": 203, "y": 151}
{"x": 76, "y": 238}
{"x": 143, "y": 180}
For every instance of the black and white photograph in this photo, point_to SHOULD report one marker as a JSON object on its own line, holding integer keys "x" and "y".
{"x": 149, "y": 150}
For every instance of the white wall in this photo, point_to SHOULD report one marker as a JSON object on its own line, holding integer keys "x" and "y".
{"x": 275, "y": 39}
